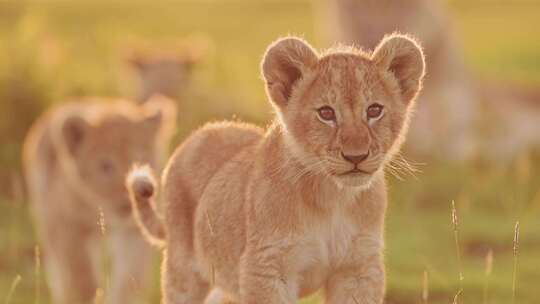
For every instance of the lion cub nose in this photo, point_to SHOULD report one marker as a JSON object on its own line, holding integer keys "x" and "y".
{"x": 355, "y": 159}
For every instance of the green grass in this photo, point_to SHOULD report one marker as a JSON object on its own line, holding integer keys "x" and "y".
{"x": 57, "y": 48}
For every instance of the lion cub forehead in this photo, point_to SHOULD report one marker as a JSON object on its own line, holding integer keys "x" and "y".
{"x": 345, "y": 70}
{"x": 117, "y": 114}
{"x": 345, "y": 64}
{"x": 351, "y": 58}
{"x": 116, "y": 120}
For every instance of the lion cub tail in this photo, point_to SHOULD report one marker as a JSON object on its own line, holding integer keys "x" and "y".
{"x": 142, "y": 188}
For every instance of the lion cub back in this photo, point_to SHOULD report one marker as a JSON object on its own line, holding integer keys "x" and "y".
{"x": 195, "y": 163}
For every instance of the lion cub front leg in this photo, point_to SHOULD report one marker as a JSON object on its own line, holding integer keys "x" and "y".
{"x": 361, "y": 283}
{"x": 131, "y": 259}
{"x": 68, "y": 262}
{"x": 263, "y": 278}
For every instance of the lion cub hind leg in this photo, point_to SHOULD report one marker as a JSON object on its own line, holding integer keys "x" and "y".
{"x": 217, "y": 296}
{"x": 182, "y": 282}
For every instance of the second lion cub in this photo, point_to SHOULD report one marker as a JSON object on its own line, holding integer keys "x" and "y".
{"x": 272, "y": 216}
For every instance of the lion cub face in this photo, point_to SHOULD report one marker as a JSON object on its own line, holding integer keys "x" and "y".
{"x": 165, "y": 73}
{"x": 103, "y": 149}
{"x": 345, "y": 112}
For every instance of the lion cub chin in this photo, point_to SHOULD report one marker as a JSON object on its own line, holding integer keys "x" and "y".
{"x": 271, "y": 216}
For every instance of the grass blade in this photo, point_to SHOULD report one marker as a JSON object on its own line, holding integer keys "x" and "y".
{"x": 425, "y": 288}
{"x": 37, "y": 274}
{"x": 14, "y": 285}
{"x": 489, "y": 268}
{"x": 514, "y": 275}
{"x": 455, "y": 225}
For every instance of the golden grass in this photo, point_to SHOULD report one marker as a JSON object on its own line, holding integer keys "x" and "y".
{"x": 515, "y": 253}
{"x": 12, "y": 289}
{"x": 488, "y": 271}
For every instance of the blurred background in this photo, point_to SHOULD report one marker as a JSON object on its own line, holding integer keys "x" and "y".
{"x": 206, "y": 54}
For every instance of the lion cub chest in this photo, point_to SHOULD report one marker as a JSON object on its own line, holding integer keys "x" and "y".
{"x": 325, "y": 246}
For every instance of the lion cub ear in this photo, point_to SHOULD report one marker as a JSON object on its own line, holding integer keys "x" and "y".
{"x": 402, "y": 56}
{"x": 74, "y": 131}
{"x": 284, "y": 63}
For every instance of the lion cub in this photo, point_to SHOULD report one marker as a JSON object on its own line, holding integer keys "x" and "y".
{"x": 167, "y": 73}
{"x": 76, "y": 158}
{"x": 272, "y": 216}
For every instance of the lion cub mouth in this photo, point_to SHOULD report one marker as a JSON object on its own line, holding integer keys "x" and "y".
{"x": 355, "y": 172}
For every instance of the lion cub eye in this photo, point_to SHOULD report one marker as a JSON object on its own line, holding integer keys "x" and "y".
{"x": 374, "y": 111}
{"x": 326, "y": 113}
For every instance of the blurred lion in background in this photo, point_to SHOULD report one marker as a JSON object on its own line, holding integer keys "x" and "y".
{"x": 459, "y": 117}
{"x": 165, "y": 70}
{"x": 76, "y": 157}
{"x": 509, "y": 118}
{"x": 170, "y": 68}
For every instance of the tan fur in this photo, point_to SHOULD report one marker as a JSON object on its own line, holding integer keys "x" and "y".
{"x": 76, "y": 157}
{"x": 167, "y": 73}
{"x": 447, "y": 116}
{"x": 271, "y": 216}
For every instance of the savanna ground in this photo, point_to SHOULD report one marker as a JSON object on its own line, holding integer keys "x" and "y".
{"x": 57, "y": 48}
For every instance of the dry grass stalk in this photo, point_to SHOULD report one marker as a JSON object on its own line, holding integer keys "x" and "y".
{"x": 14, "y": 285}
{"x": 456, "y": 297}
{"x": 515, "y": 251}
{"x": 101, "y": 221}
{"x": 425, "y": 288}
{"x": 489, "y": 269}
{"x": 455, "y": 225}
{"x": 37, "y": 274}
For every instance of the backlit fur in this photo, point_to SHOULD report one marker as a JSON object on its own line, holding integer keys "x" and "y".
{"x": 270, "y": 216}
